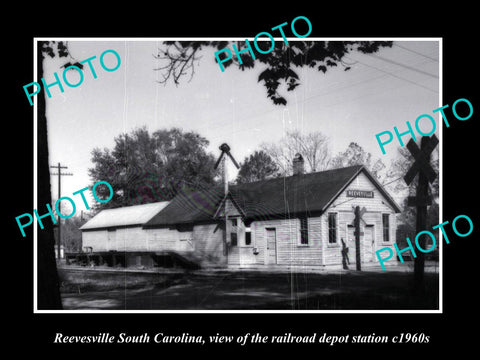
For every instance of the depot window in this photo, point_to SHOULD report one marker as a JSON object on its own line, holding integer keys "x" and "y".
{"x": 248, "y": 236}
{"x": 233, "y": 238}
{"x": 386, "y": 227}
{"x": 304, "y": 231}
{"x": 332, "y": 228}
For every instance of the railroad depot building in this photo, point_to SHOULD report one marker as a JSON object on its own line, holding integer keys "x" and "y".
{"x": 299, "y": 220}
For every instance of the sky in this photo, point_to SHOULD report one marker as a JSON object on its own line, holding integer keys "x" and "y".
{"x": 380, "y": 91}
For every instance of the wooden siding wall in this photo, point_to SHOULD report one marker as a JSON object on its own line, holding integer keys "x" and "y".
{"x": 204, "y": 242}
{"x": 97, "y": 240}
{"x": 289, "y": 250}
{"x": 122, "y": 239}
{"x": 138, "y": 239}
{"x": 165, "y": 239}
{"x": 129, "y": 239}
{"x": 319, "y": 251}
{"x": 208, "y": 241}
{"x": 343, "y": 206}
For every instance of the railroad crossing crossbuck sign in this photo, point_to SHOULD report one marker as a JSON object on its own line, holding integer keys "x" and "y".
{"x": 421, "y": 159}
{"x": 421, "y": 165}
{"x": 426, "y": 174}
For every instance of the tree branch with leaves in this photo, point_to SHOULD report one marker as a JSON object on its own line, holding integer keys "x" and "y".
{"x": 282, "y": 63}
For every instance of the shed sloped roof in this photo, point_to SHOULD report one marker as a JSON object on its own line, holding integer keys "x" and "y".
{"x": 124, "y": 216}
{"x": 271, "y": 198}
{"x": 189, "y": 206}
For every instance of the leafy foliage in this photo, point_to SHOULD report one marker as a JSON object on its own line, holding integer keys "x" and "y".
{"x": 398, "y": 169}
{"x": 144, "y": 168}
{"x": 60, "y": 49}
{"x": 403, "y": 162}
{"x": 356, "y": 155}
{"x": 52, "y": 48}
{"x": 71, "y": 234}
{"x": 281, "y": 63}
{"x": 258, "y": 166}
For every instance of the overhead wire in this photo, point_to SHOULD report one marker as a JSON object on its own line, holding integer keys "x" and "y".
{"x": 330, "y": 90}
{"x": 414, "y": 52}
{"x": 398, "y": 77}
{"x": 350, "y": 85}
{"x": 403, "y": 65}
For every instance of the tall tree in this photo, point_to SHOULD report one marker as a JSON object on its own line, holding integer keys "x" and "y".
{"x": 399, "y": 167}
{"x": 48, "y": 290}
{"x": 71, "y": 234}
{"x": 355, "y": 154}
{"x": 314, "y": 147}
{"x": 144, "y": 167}
{"x": 258, "y": 166}
{"x": 179, "y": 59}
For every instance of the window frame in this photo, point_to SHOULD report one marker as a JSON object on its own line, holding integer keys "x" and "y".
{"x": 386, "y": 229}
{"x": 335, "y": 214}
{"x": 304, "y": 238}
{"x": 249, "y": 232}
{"x": 233, "y": 235}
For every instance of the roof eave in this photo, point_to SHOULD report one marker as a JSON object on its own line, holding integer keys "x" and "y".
{"x": 379, "y": 186}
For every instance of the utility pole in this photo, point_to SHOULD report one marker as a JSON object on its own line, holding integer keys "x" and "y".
{"x": 60, "y": 174}
{"x": 357, "y": 233}
{"x": 426, "y": 174}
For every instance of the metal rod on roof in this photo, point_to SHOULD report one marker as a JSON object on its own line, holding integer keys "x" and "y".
{"x": 225, "y": 151}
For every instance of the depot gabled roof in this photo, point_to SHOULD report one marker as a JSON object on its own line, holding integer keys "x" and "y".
{"x": 124, "y": 216}
{"x": 272, "y": 198}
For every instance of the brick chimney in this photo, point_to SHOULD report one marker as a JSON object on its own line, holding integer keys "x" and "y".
{"x": 298, "y": 164}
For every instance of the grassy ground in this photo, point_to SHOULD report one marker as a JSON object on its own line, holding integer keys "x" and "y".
{"x": 245, "y": 290}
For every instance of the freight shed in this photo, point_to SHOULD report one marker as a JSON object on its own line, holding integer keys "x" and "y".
{"x": 116, "y": 236}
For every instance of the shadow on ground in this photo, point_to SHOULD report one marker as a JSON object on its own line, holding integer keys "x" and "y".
{"x": 249, "y": 290}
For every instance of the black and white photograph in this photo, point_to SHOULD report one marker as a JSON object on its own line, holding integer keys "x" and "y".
{"x": 256, "y": 186}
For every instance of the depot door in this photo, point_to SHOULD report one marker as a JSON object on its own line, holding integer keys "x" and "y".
{"x": 368, "y": 243}
{"x": 271, "y": 250}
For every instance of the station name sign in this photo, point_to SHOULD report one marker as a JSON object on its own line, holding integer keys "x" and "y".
{"x": 360, "y": 193}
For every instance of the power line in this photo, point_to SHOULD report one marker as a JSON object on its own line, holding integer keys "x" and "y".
{"x": 401, "y": 177}
{"x": 403, "y": 65}
{"x": 303, "y": 101}
{"x": 415, "y": 52}
{"x": 398, "y": 77}
{"x": 330, "y": 91}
